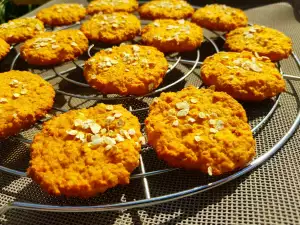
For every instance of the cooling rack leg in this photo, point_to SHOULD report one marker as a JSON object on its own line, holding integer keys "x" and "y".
{"x": 145, "y": 181}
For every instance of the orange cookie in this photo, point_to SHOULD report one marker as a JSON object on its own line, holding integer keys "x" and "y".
{"x": 263, "y": 40}
{"x": 4, "y": 49}
{"x": 61, "y": 14}
{"x": 109, "y": 6}
{"x": 242, "y": 75}
{"x": 126, "y": 70}
{"x": 24, "y": 98}
{"x": 19, "y": 30}
{"x": 200, "y": 129}
{"x": 166, "y": 9}
{"x": 85, "y": 152}
{"x": 112, "y": 28}
{"x": 172, "y": 35}
{"x": 220, "y": 17}
{"x": 54, "y": 47}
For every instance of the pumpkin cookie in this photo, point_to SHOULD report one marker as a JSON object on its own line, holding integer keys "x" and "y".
{"x": 24, "y": 98}
{"x": 61, "y": 14}
{"x": 126, "y": 70}
{"x": 220, "y": 17}
{"x": 172, "y": 35}
{"x": 200, "y": 129}
{"x": 243, "y": 75}
{"x": 263, "y": 40}
{"x": 54, "y": 47}
{"x": 109, "y": 6}
{"x": 85, "y": 152}
{"x": 4, "y": 49}
{"x": 19, "y": 30}
{"x": 166, "y": 9}
{"x": 111, "y": 28}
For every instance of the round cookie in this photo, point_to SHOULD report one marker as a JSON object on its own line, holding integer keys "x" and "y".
{"x": 4, "y": 49}
{"x": 19, "y": 30}
{"x": 200, "y": 129}
{"x": 61, "y": 14}
{"x": 24, "y": 98}
{"x": 263, "y": 40}
{"x": 109, "y": 6}
{"x": 166, "y": 9}
{"x": 220, "y": 17}
{"x": 111, "y": 28}
{"x": 56, "y": 47}
{"x": 242, "y": 75}
{"x": 126, "y": 70}
{"x": 172, "y": 35}
{"x": 85, "y": 152}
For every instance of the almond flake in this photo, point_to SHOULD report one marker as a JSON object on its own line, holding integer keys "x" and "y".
{"x": 213, "y": 130}
{"x": 23, "y": 91}
{"x": 108, "y": 50}
{"x": 117, "y": 115}
{"x": 192, "y": 120}
{"x": 16, "y": 95}
{"x": 155, "y": 100}
{"x": 72, "y": 132}
{"x": 212, "y": 122}
{"x": 126, "y": 70}
{"x": 172, "y": 112}
{"x": 109, "y": 107}
{"x": 202, "y": 115}
{"x": 94, "y": 76}
{"x": 78, "y": 122}
{"x": 125, "y": 133}
{"x": 150, "y": 86}
{"x": 3, "y": 100}
{"x": 182, "y": 105}
{"x": 219, "y": 125}
{"x": 15, "y": 115}
{"x": 142, "y": 140}
{"x": 14, "y": 82}
{"x": 120, "y": 123}
{"x": 109, "y": 140}
{"x": 175, "y": 123}
{"x": 135, "y": 48}
{"x": 182, "y": 112}
{"x": 80, "y": 135}
{"x": 131, "y": 132}
{"x": 193, "y": 100}
{"x": 197, "y": 138}
{"x": 73, "y": 44}
{"x": 119, "y": 138}
{"x": 95, "y": 128}
{"x": 109, "y": 119}
{"x": 54, "y": 46}
{"x": 108, "y": 147}
{"x": 209, "y": 171}
{"x": 181, "y": 21}
{"x": 103, "y": 131}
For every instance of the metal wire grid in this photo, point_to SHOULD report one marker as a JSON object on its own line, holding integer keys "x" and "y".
{"x": 143, "y": 174}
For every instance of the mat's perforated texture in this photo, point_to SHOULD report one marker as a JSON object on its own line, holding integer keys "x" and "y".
{"x": 268, "y": 195}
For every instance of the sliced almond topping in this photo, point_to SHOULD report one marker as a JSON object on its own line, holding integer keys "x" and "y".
{"x": 78, "y": 122}
{"x": 117, "y": 115}
{"x": 197, "y": 138}
{"x": 3, "y": 100}
{"x": 182, "y": 105}
{"x": 212, "y": 122}
{"x": 109, "y": 140}
{"x": 73, "y": 44}
{"x": 131, "y": 132}
{"x": 213, "y": 130}
{"x": 108, "y": 147}
{"x": 175, "y": 123}
{"x": 95, "y": 128}
{"x": 172, "y": 112}
{"x": 119, "y": 138}
{"x": 23, "y": 91}
{"x": 109, "y": 119}
{"x": 103, "y": 131}
{"x": 209, "y": 171}
{"x": 72, "y": 132}
{"x": 192, "y": 120}
{"x": 109, "y": 107}
{"x": 14, "y": 82}
{"x": 182, "y": 112}
{"x": 16, "y": 95}
{"x": 193, "y": 100}
{"x": 142, "y": 140}
{"x": 181, "y": 21}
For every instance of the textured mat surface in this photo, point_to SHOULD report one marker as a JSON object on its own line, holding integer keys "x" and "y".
{"x": 267, "y": 195}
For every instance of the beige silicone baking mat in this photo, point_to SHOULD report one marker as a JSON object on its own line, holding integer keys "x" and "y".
{"x": 267, "y": 195}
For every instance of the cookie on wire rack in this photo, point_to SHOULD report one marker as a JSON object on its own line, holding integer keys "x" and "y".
{"x": 19, "y": 30}
{"x": 85, "y": 152}
{"x": 24, "y": 98}
{"x": 169, "y": 35}
{"x": 109, "y": 6}
{"x": 200, "y": 129}
{"x": 220, "y": 17}
{"x": 166, "y": 9}
{"x": 263, "y": 40}
{"x": 62, "y": 14}
{"x": 243, "y": 75}
{"x": 126, "y": 70}
{"x": 4, "y": 48}
{"x": 112, "y": 28}
{"x": 52, "y": 48}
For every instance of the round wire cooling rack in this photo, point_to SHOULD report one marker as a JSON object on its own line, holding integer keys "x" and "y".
{"x": 139, "y": 192}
